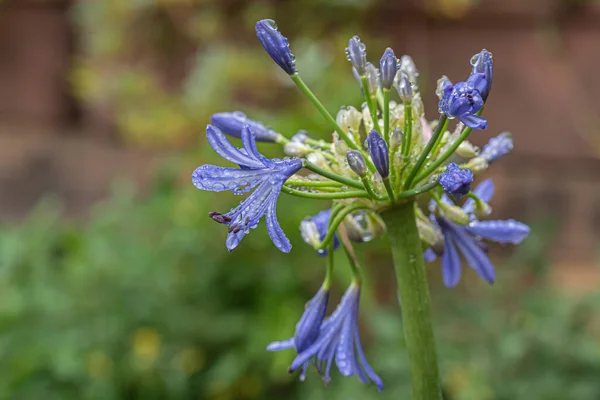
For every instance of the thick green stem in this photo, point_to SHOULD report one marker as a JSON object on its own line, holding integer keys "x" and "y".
{"x": 414, "y": 295}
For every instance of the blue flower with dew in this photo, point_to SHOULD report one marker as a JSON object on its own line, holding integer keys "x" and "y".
{"x": 339, "y": 340}
{"x": 314, "y": 229}
{"x": 469, "y": 239}
{"x": 464, "y": 100}
{"x": 483, "y": 63}
{"x": 497, "y": 147}
{"x": 256, "y": 172}
{"x": 456, "y": 181}
{"x": 232, "y": 123}
{"x": 378, "y": 149}
{"x": 388, "y": 67}
{"x": 276, "y": 45}
{"x": 357, "y": 55}
{"x": 308, "y": 328}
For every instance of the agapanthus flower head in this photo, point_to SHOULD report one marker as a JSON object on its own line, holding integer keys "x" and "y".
{"x": 307, "y": 328}
{"x": 339, "y": 340}
{"x": 232, "y": 123}
{"x": 314, "y": 229}
{"x": 357, "y": 55}
{"x": 483, "y": 63}
{"x": 469, "y": 239}
{"x": 497, "y": 147}
{"x": 456, "y": 181}
{"x": 276, "y": 45}
{"x": 388, "y": 67}
{"x": 266, "y": 176}
{"x": 378, "y": 149}
{"x": 464, "y": 100}
{"x": 357, "y": 163}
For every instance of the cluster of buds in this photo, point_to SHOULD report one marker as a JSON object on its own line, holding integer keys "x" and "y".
{"x": 381, "y": 155}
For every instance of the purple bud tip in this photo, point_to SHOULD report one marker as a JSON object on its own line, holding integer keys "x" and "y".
{"x": 456, "y": 181}
{"x": 483, "y": 63}
{"x": 357, "y": 55}
{"x": 378, "y": 150}
{"x": 276, "y": 45}
{"x": 388, "y": 67}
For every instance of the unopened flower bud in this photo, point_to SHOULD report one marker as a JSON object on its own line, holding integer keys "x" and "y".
{"x": 378, "y": 150}
{"x": 456, "y": 181}
{"x": 363, "y": 227}
{"x": 317, "y": 159}
{"x": 276, "y": 45}
{"x": 372, "y": 79}
{"x": 428, "y": 233}
{"x": 483, "y": 63}
{"x": 357, "y": 163}
{"x": 477, "y": 164}
{"x": 396, "y": 138}
{"x": 340, "y": 148}
{"x": 310, "y": 233}
{"x": 408, "y": 68}
{"x": 296, "y": 149}
{"x": 300, "y": 137}
{"x": 405, "y": 90}
{"x": 455, "y": 213}
{"x": 467, "y": 150}
{"x": 482, "y": 209}
{"x": 357, "y": 55}
{"x": 388, "y": 67}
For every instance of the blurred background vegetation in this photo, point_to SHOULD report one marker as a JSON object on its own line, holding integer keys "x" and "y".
{"x": 139, "y": 299}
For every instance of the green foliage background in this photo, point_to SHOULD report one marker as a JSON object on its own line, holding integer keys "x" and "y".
{"x": 142, "y": 300}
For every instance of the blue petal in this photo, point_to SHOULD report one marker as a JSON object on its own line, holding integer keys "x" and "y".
{"x": 344, "y": 354}
{"x": 473, "y": 121}
{"x": 225, "y": 149}
{"x": 451, "y": 266}
{"x": 218, "y": 179}
{"x": 477, "y": 81}
{"x": 474, "y": 255}
{"x": 231, "y": 123}
{"x": 485, "y": 191}
{"x": 307, "y": 329}
{"x": 509, "y": 231}
{"x": 281, "y": 345}
{"x": 249, "y": 143}
{"x": 361, "y": 354}
{"x": 274, "y": 229}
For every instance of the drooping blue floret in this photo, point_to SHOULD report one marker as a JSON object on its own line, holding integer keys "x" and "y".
{"x": 357, "y": 55}
{"x": 464, "y": 100}
{"x": 314, "y": 229}
{"x": 456, "y": 181}
{"x": 497, "y": 147}
{"x": 308, "y": 328}
{"x": 483, "y": 63}
{"x": 388, "y": 67}
{"x": 256, "y": 172}
{"x": 339, "y": 340}
{"x": 469, "y": 239}
{"x": 276, "y": 45}
{"x": 232, "y": 123}
{"x": 378, "y": 149}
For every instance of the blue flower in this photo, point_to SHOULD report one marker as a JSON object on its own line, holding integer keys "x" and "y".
{"x": 276, "y": 45}
{"x": 388, "y": 67}
{"x": 379, "y": 153}
{"x": 357, "y": 55}
{"x": 469, "y": 239}
{"x": 314, "y": 229}
{"x": 256, "y": 171}
{"x": 463, "y": 100}
{"x": 482, "y": 63}
{"x": 308, "y": 328}
{"x": 339, "y": 339}
{"x": 456, "y": 181}
{"x": 497, "y": 147}
{"x": 232, "y": 123}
